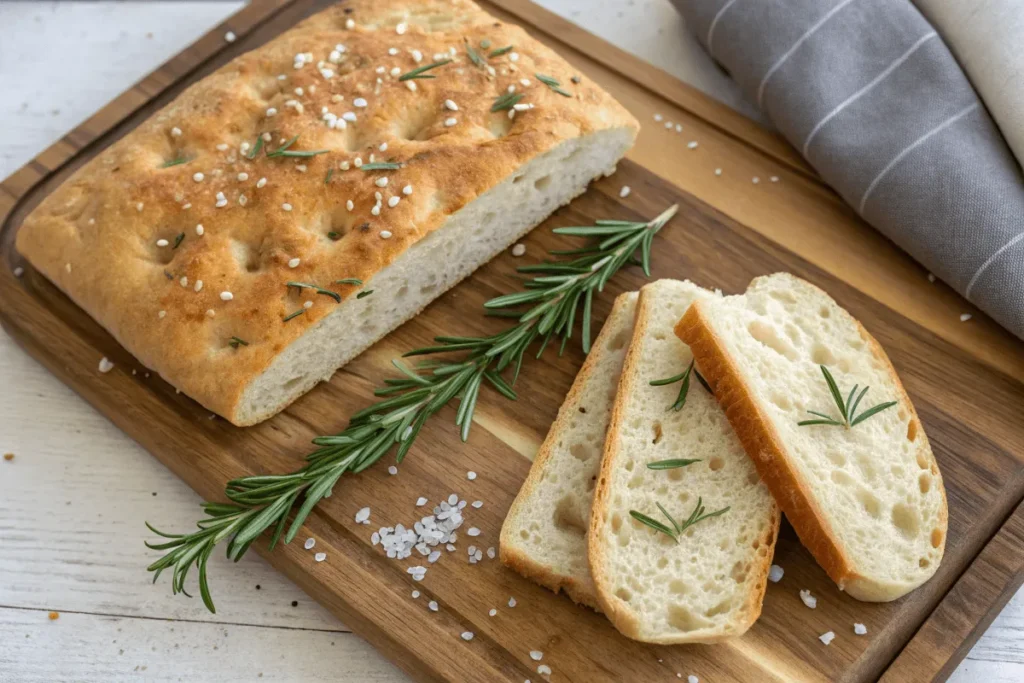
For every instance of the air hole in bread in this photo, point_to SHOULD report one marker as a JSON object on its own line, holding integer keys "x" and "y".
{"x": 871, "y": 504}
{"x": 678, "y": 587}
{"x": 682, "y": 619}
{"x": 925, "y": 482}
{"x": 657, "y": 432}
{"x": 922, "y": 461}
{"x": 401, "y": 291}
{"x": 592, "y": 483}
{"x": 293, "y": 382}
{"x": 905, "y": 519}
{"x": 542, "y": 182}
{"x": 824, "y": 312}
{"x": 629, "y": 465}
{"x": 427, "y": 289}
{"x": 782, "y": 295}
{"x": 623, "y": 594}
{"x": 753, "y": 478}
{"x": 716, "y": 463}
{"x": 822, "y": 355}
{"x": 767, "y": 335}
{"x": 842, "y": 478}
{"x": 616, "y": 523}
{"x": 582, "y": 451}
{"x": 516, "y": 179}
{"x": 937, "y": 536}
{"x": 675, "y": 474}
{"x": 781, "y": 401}
{"x": 636, "y": 481}
{"x": 524, "y": 534}
{"x": 912, "y": 430}
{"x": 923, "y": 562}
{"x": 567, "y": 516}
{"x": 619, "y": 340}
{"x": 836, "y": 458}
{"x": 724, "y": 606}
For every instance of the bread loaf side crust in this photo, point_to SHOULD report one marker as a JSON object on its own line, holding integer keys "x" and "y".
{"x": 511, "y": 553}
{"x": 120, "y": 236}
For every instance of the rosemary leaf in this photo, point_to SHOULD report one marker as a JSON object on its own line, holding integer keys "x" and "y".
{"x": 874, "y": 410}
{"x": 178, "y": 239}
{"x": 318, "y": 290}
{"x": 381, "y": 166}
{"x": 506, "y": 101}
{"x": 847, "y": 408}
{"x": 420, "y": 71}
{"x": 500, "y": 51}
{"x": 364, "y": 293}
{"x": 553, "y": 84}
{"x": 256, "y": 147}
{"x": 474, "y": 56}
{"x": 349, "y": 281}
{"x": 296, "y": 314}
{"x": 327, "y": 179}
{"x": 175, "y": 162}
{"x": 671, "y": 464}
{"x": 235, "y": 342}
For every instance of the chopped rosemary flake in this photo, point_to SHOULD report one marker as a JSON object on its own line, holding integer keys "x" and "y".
{"x": 175, "y": 162}
{"x": 256, "y": 148}
{"x": 474, "y": 56}
{"x": 506, "y": 101}
{"x": 318, "y": 290}
{"x": 677, "y": 528}
{"x": 671, "y": 464}
{"x": 683, "y": 390}
{"x": 553, "y": 84}
{"x": 349, "y": 281}
{"x": 419, "y": 72}
{"x": 381, "y": 166}
{"x": 296, "y": 314}
{"x": 330, "y": 172}
{"x": 500, "y": 51}
{"x": 178, "y": 239}
{"x": 235, "y": 342}
{"x": 334, "y": 235}
{"x": 284, "y": 151}
{"x": 847, "y": 408}
{"x": 365, "y": 292}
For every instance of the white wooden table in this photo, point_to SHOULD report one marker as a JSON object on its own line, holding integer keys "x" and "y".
{"x": 73, "y": 500}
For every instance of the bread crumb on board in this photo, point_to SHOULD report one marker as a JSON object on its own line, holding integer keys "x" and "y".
{"x": 54, "y": 616}
{"x": 8, "y": 456}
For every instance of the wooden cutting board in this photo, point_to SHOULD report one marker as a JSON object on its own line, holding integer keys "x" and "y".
{"x": 965, "y": 379}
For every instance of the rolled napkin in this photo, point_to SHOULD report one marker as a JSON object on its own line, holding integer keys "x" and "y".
{"x": 874, "y": 100}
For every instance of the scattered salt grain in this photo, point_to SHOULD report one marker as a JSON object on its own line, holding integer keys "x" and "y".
{"x": 775, "y": 573}
{"x": 200, "y": 229}
{"x": 262, "y": 182}
{"x": 544, "y": 670}
{"x": 519, "y": 250}
{"x": 417, "y": 572}
{"x": 692, "y": 679}
{"x": 624, "y": 192}
{"x": 222, "y": 201}
{"x": 286, "y": 206}
{"x": 668, "y": 125}
{"x": 230, "y": 36}
{"x": 473, "y": 531}
{"x": 536, "y": 655}
{"x": 718, "y": 171}
{"x": 679, "y": 128}
{"x": 434, "y": 556}
{"x": 808, "y": 599}
{"x": 310, "y": 542}
{"x": 421, "y": 501}
{"x": 471, "y": 475}
{"x": 964, "y": 317}
{"x": 491, "y": 553}
{"x": 415, "y": 595}
{"x": 478, "y": 504}
{"x": 105, "y": 365}
{"x": 692, "y": 144}
{"x": 774, "y": 178}
{"x": 226, "y": 296}
{"x": 175, "y": 132}
{"x": 755, "y": 180}
{"x": 860, "y": 629}
{"x": 467, "y": 635}
{"x": 450, "y": 122}
{"x": 392, "y": 203}
{"x": 432, "y": 605}
{"x": 363, "y": 516}
{"x": 162, "y": 243}
{"x": 392, "y": 470}
{"x": 307, "y": 304}
{"x": 658, "y": 118}
{"x": 19, "y": 271}
{"x": 511, "y": 602}
{"x": 931, "y": 278}
{"x": 450, "y": 105}
{"x": 827, "y": 637}
{"x": 294, "y": 263}
{"x": 320, "y": 557}
{"x": 407, "y": 190}
{"x": 198, "y": 177}
{"x": 492, "y": 613}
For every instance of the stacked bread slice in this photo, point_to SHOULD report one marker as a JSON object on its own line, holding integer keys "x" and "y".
{"x": 671, "y": 531}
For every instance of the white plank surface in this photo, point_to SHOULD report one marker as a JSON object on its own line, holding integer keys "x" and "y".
{"x": 73, "y": 501}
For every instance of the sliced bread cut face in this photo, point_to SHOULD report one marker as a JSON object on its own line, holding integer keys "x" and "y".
{"x": 544, "y": 535}
{"x": 867, "y": 500}
{"x": 708, "y": 586}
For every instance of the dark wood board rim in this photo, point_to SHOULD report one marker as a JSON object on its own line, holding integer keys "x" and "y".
{"x": 78, "y": 142}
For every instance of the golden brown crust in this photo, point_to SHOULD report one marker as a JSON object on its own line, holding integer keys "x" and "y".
{"x": 511, "y": 553}
{"x": 96, "y": 236}
{"x": 764, "y": 446}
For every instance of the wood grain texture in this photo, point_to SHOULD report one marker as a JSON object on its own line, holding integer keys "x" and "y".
{"x": 971, "y": 413}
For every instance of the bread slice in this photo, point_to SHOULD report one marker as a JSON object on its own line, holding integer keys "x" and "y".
{"x": 121, "y": 237}
{"x": 867, "y": 501}
{"x": 708, "y": 586}
{"x": 544, "y": 536}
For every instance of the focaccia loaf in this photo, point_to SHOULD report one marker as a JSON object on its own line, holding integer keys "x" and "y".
{"x": 182, "y": 237}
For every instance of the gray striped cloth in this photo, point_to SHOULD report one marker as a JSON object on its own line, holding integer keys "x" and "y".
{"x": 875, "y": 101}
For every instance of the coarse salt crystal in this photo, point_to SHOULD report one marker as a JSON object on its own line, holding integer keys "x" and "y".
{"x": 198, "y": 286}
{"x": 827, "y": 637}
{"x": 401, "y": 28}
{"x": 307, "y": 304}
{"x": 421, "y": 501}
{"x": 808, "y": 599}
{"x": 755, "y": 180}
{"x": 230, "y": 36}
{"x": 271, "y": 111}
{"x": 679, "y": 128}
{"x": 624, "y": 192}
{"x": 692, "y": 679}
{"x": 658, "y": 118}
{"x": 175, "y": 132}
{"x": 668, "y": 125}
{"x": 392, "y": 470}
{"x": 375, "y": 210}
{"x": 471, "y": 475}
{"x": 162, "y": 243}
{"x": 415, "y": 594}
{"x": 350, "y": 205}
{"x": 393, "y": 201}
{"x": 350, "y": 24}
{"x": 513, "y": 56}
{"x": 519, "y": 250}
{"x": 105, "y": 365}
{"x": 478, "y": 504}
{"x": 381, "y": 182}
{"x": 286, "y": 206}
{"x": 432, "y": 605}
{"x": 200, "y": 229}
{"x": 467, "y": 635}
{"x": 320, "y": 557}
{"x": 407, "y": 190}
{"x": 525, "y": 82}
{"x": 931, "y": 278}
{"x": 450, "y": 104}
{"x": 198, "y": 177}
{"x": 226, "y": 296}
{"x": 386, "y": 234}
{"x": 860, "y": 629}
{"x": 536, "y": 655}
{"x": 718, "y": 171}
{"x": 491, "y": 553}
{"x": 294, "y": 263}
{"x": 449, "y": 122}
{"x": 544, "y": 670}
{"x": 692, "y": 144}
{"x": 161, "y": 314}
{"x": 363, "y": 516}
{"x": 19, "y": 271}
{"x": 222, "y": 201}
{"x": 511, "y": 602}
{"x": 774, "y": 178}
{"x": 359, "y": 102}
{"x": 242, "y": 177}
{"x": 261, "y": 182}
{"x": 964, "y": 317}
{"x": 310, "y": 542}
{"x": 183, "y": 281}
{"x": 775, "y": 573}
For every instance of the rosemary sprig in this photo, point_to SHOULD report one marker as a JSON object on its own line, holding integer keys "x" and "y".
{"x": 552, "y": 297}
{"x": 365, "y": 292}
{"x": 288, "y": 317}
{"x": 677, "y": 528}
{"x": 673, "y": 464}
{"x": 318, "y": 290}
{"x": 847, "y": 407}
{"x": 500, "y": 51}
{"x": 506, "y": 101}
{"x": 235, "y": 342}
{"x": 381, "y": 166}
{"x": 175, "y": 162}
{"x": 553, "y": 84}
{"x": 420, "y": 72}
{"x": 683, "y": 390}
{"x": 474, "y": 56}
